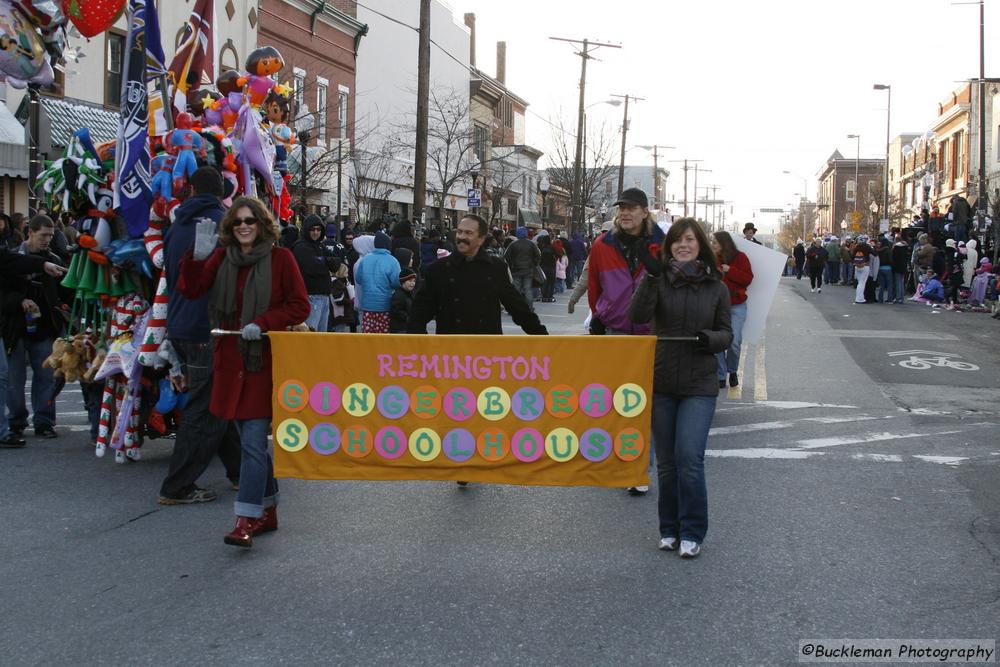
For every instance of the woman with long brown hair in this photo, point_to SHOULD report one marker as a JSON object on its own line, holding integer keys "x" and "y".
{"x": 253, "y": 287}
{"x": 737, "y": 275}
{"x": 683, "y": 295}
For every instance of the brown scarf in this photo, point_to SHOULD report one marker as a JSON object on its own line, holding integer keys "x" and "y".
{"x": 256, "y": 296}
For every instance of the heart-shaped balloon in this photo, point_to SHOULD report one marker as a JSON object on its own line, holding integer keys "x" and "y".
{"x": 92, "y": 17}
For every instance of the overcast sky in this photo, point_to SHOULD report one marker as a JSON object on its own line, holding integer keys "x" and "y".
{"x": 751, "y": 88}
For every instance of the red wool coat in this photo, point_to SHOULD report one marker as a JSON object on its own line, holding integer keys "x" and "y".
{"x": 236, "y": 392}
{"x": 738, "y": 278}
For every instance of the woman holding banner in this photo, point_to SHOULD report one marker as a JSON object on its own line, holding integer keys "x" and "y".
{"x": 253, "y": 287}
{"x": 683, "y": 294}
{"x": 737, "y": 274}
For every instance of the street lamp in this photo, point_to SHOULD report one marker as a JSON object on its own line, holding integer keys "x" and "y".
{"x": 888, "y": 111}
{"x": 857, "y": 159}
{"x": 805, "y": 195}
{"x": 304, "y": 126}
{"x": 543, "y": 187}
{"x": 656, "y": 169}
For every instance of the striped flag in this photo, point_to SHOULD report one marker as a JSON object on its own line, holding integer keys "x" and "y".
{"x": 133, "y": 196}
{"x": 193, "y": 64}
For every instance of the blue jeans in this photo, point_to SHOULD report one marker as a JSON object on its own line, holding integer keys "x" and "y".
{"x": 522, "y": 283}
{"x": 319, "y": 311}
{"x": 848, "y": 271}
{"x": 258, "y": 488}
{"x": 729, "y": 361}
{"x": 884, "y": 283}
{"x": 680, "y": 433}
{"x": 43, "y": 402}
{"x": 832, "y": 273}
{"x": 898, "y": 287}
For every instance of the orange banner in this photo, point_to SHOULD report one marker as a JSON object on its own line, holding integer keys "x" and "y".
{"x": 533, "y": 410}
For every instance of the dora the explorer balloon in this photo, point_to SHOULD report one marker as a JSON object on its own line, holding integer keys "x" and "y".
{"x": 276, "y": 111}
{"x": 257, "y": 81}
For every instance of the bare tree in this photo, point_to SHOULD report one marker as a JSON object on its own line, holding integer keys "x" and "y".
{"x": 504, "y": 172}
{"x": 372, "y": 181}
{"x": 599, "y": 161}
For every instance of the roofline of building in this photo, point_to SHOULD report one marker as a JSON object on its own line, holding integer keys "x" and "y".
{"x": 501, "y": 87}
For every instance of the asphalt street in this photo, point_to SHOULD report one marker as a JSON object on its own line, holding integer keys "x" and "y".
{"x": 850, "y": 497}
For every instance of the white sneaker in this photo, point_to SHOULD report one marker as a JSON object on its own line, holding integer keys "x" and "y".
{"x": 638, "y": 490}
{"x": 668, "y": 544}
{"x": 690, "y": 549}
{"x": 812, "y": 289}
{"x": 820, "y": 290}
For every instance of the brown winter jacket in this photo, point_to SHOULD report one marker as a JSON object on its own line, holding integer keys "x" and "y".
{"x": 680, "y": 308}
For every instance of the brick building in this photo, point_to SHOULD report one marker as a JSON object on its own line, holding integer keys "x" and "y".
{"x": 319, "y": 42}
{"x": 844, "y": 202}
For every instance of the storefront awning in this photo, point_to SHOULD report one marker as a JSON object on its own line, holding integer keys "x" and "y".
{"x": 529, "y": 218}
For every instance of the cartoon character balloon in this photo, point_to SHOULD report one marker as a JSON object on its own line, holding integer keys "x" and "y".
{"x": 23, "y": 58}
{"x": 260, "y": 65}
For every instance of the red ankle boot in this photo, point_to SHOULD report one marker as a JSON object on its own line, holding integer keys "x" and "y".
{"x": 266, "y": 523}
{"x": 242, "y": 534}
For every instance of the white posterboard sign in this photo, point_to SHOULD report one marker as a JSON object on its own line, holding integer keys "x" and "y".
{"x": 767, "y": 265}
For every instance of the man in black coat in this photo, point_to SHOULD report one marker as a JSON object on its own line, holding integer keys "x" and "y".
{"x": 13, "y": 265}
{"x": 317, "y": 266}
{"x": 463, "y": 292}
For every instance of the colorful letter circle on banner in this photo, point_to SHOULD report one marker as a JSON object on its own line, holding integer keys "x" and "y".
{"x": 425, "y": 444}
{"x": 493, "y": 403}
{"x": 459, "y": 445}
{"x": 630, "y": 400}
{"x": 324, "y": 398}
{"x": 358, "y": 399}
{"x": 292, "y": 435}
{"x": 324, "y": 438}
{"x": 390, "y": 442}
{"x": 293, "y": 395}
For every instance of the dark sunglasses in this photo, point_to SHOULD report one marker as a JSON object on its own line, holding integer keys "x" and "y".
{"x": 249, "y": 222}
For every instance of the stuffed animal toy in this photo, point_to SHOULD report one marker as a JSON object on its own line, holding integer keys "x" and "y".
{"x": 183, "y": 142}
{"x": 162, "y": 168}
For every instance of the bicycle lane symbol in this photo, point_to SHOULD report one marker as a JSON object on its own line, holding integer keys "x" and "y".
{"x": 921, "y": 360}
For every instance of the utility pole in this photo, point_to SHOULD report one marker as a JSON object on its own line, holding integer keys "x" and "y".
{"x": 686, "y": 167}
{"x": 696, "y": 170}
{"x": 981, "y": 199}
{"x": 423, "y": 96}
{"x": 576, "y": 223}
{"x": 621, "y": 163}
{"x": 657, "y": 199}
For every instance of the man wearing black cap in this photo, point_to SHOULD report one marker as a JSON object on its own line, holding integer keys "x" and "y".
{"x": 748, "y": 233}
{"x": 316, "y": 263}
{"x": 615, "y": 269}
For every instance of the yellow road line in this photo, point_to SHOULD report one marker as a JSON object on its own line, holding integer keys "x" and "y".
{"x": 760, "y": 374}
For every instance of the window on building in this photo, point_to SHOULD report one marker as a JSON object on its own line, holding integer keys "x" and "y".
{"x": 321, "y": 88}
{"x": 851, "y": 194}
{"x": 524, "y": 189}
{"x": 511, "y": 206}
{"x": 944, "y": 157}
{"x": 228, "y": 58}
{"x": 342, "y": 115}
{"x": 298, "y": 90}
{"x": 480, "y": 137}
{"x": 607, "y": 188}
{"x": 959, "y": 140}
{"x": 114, "y": 60}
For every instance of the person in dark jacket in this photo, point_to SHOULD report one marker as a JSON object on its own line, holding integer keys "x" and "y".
{"x": 577, "y": 256}
{"x": 899, "y": 259}
{"x": 429, "y": 245}
{"x": 201, "y": 435}
{"x": 523, "y": 256}
{"x": 402, "y": 301}
{"x": 32, "y": 321}
{"x": 683, "y": 295}
{"x": 799, "y": 253}
{"x": 816, "y": 264}
{"x": 548, "y": 264}
{"x": 405, "y": 258}
{"x": 884, "y": 277}
{"x": 317, "y": 264}
{"x": 402, "y": 237}
{"x": 464, "y": 291}
{"x": 13, "y": 266}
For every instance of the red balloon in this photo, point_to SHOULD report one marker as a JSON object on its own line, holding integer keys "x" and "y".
{"x": 92, "y": 17}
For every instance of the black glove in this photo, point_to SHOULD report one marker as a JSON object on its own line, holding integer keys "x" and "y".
{"x": 702, "y": 339}
{"x": 597, "y": 327}
{"x": 653, "y": 266}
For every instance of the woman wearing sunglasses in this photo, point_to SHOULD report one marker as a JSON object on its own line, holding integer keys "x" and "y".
{"x": 253, "y": 287}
